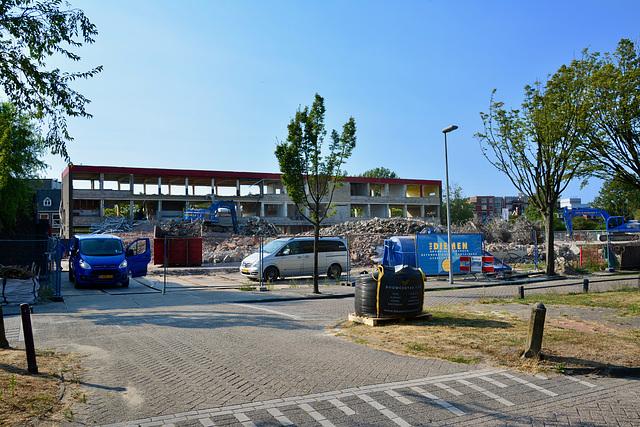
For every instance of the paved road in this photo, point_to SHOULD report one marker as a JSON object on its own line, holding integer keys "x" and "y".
{"x": 200, "y": 356}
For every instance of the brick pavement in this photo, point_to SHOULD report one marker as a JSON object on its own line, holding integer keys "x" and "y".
{"x": 152, "y": 355}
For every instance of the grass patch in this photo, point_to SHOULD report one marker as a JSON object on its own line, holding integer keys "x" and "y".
{"x": 27, "y": 398}
{"x": 247, "y": 288}
{"x": 627, "y": 301}
{"x": 462, "y": 334}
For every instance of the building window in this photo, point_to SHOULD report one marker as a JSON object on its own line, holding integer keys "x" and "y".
{"x": 46, "y": 202}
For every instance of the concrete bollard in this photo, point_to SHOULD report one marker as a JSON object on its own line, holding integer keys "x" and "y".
{"x": 25, "y": 312}
{"x": 536, "y": 329}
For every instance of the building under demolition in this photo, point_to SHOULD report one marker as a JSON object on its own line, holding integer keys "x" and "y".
{"x": 90, "y": 193}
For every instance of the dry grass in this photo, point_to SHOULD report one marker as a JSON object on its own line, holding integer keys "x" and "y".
{"x": 25, "y": 397}
{"x": 459, "y": 334}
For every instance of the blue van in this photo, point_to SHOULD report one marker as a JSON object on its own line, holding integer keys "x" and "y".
{"x": 102, "y": 258}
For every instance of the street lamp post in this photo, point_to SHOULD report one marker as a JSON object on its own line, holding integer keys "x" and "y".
{"x": 445, "y": 131}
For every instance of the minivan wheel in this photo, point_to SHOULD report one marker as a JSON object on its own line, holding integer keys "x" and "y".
{"x": 335, "y": 271}
{"x": 125, "y": 284}
{"x": 72, "y": 276}
{"x": 271, "y": 274}
{"x": 76, "y": 284}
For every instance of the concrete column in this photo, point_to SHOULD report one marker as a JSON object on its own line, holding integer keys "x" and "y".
{"x": 101, "y": 208}
{"x": 159, "y": 213}
{"x": 213, "y": 186}
{"x": 159, "y": 185}
{"x": 404, "y": 211}
{"x": 186, "y": 186}
{"x": 130, "y": 210}
{"x": 386, "y": 190}
{"x": 387, "y": 211}
{"x": 422, "y": 211}
{"x": 131, "y": 182}
{"x": 262, "y": 211}
{"x": 368, "y": 210}
{"x": 237, "y": 187}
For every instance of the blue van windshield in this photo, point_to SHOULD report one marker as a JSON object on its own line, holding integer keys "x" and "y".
{"x": 101, "y": 247}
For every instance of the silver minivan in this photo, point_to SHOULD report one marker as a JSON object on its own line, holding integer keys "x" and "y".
{"x": 293, "y": 256}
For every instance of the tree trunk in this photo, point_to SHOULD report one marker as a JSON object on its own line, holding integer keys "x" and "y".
{"x": 316, "y": 246}
{"x": 550, "y": 254}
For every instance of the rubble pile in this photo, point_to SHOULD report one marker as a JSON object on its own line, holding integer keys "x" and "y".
{"x": 17, "y": 272}
{"x": 388, "y": 226}
{"x": 500, "y": 230}
{"x": 174, "y": 227}
{"x": 257, "y": 226}
{"x": 112, "y": 224}
{"x": 233, "y": 249}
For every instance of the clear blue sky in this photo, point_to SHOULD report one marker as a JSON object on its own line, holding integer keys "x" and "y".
{"x": 202, "y": 84}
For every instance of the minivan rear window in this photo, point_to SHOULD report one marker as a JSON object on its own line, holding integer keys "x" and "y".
{"x": 332, "y": 246}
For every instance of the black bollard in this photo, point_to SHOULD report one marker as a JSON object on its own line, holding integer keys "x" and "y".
{"x": 25, "y": 312}
{"x": 521, "y": 292}
{"x": 3, "y": 336}
{"x": 536, "y": 329}
{"x": 585, "y": 286}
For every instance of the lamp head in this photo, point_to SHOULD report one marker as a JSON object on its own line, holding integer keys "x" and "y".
{"x": 449, "y": 129}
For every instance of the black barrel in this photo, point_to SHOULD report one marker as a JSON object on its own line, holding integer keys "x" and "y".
{"x": 390, "y": 292}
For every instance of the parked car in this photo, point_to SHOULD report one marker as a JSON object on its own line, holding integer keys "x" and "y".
{"x": 102, "y": 258}
{"x": 293, "y": 256}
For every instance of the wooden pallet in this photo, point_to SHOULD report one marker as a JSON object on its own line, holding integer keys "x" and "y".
{"x": 375, "y": 321}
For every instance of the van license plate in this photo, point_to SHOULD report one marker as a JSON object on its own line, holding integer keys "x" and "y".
{"x": 105, "y": 276}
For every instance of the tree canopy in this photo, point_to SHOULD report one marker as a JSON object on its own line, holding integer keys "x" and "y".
{"x": 380, "y": 172}
{"x": 461, "y": 210}
{"x": 618, "y": 198}
{"x": 309, "y": 175}
{"x": 31, "y": 32}
{"x": 539, "y": 146}
{"x": 613, "y": 94}
{"x": 20, "y": 150}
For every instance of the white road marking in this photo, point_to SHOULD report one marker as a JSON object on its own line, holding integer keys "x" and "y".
{"x": 268, "y": 310}
{"x": 439, "y": 401}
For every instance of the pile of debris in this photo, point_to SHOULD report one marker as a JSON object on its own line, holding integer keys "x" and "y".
{"x": 234, "y": 249}
{"x": 388, "y": 226}
{"x": 112, "y": 224}
{"x": 17, "y": 272}
{"x": 257, "y": 226}
{"x": 499, "y": 230}
{"x": 174, "y": 227}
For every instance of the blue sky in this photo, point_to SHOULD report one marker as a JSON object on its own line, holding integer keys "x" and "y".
{"x": 212, "y": 85}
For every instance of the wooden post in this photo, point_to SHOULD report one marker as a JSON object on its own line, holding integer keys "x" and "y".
{"x": 521, "y": 292}
{"x": 536, "y": 329}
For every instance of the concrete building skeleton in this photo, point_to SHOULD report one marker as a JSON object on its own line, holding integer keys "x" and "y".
{"x": 87, "y": 191}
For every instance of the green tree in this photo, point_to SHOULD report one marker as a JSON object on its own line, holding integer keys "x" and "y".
{"x": 380, "y": 172}
{"x": 461, "y": 210}
{"x": 614, "y": 94}
{"x": 538, "y": 147}
{"x": 532, "y": 214}
{"x": 618, "y": 198}
{"x": 310, "y": 177}
{"x": 20, "y": 149}
{"x": 31, "y": 32}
